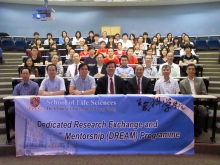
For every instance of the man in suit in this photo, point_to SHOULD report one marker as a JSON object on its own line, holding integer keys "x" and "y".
{"x": 194, "y": 85}
{"x": 140, "y": 84}
{"x": 110, "y": 84}
{"x": 98, "y": 70}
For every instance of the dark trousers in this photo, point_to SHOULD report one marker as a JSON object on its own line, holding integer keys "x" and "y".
{"x": 200, "y": 114}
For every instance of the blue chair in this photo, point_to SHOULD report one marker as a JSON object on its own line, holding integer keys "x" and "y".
{"x": 201, "y": 44}
{"x": 7, "y": 44}
{"x": 194, "y": 43}
{"x": 28, "y": 44}
{"x": 20, "y": 45}
{"x": 1, "y": 61}
{"x": 213, "y": 44}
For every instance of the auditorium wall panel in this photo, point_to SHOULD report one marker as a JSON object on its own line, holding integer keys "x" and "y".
{"x": 194, "y": 19}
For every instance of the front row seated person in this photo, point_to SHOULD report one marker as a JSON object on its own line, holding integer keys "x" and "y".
{"x": 53, "y": 85}
{"x": 26, "y": 87}
{"x": 139, "y": 84}
{"x": 99, "y": 69}
{"x": 110, "y": 84}
{"x": 149, "y": 70}
{"x": 194, "y": 85}
{"x": 124, "y": 70}
{"x": 166, "y": 84}
{"x": 82, "y": 83}
{"x": 52, "y": 52}
{"x": 111, "y": 57}
{"x": 54, "y": 61}
{"x": 175, "y": 69}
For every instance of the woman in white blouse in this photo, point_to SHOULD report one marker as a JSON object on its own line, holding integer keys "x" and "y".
{"x": 76, "y": 39}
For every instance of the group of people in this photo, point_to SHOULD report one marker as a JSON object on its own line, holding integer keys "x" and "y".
{"x": 106, "y": 71}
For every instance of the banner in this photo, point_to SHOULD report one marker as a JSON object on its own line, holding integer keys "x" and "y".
{"x": 104, "y": 124}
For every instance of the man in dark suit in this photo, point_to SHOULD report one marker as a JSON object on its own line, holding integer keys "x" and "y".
{"x": 196, "y": 86}
{"x": 98, "y": 70}
{"x": 139, "y": 84}
{"x": 110, "y": 84}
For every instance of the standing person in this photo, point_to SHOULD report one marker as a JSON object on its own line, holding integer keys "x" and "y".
{"x": 104, "y": 37}
{"x": 61, "y": 39}
{"x": 90, "y": 38}
{"x": 110, "y": 84}
{"x": 82, "y": 84}
{"x": 91, "y": 59}
{"x": 195, "y": 86}
{"x": 166, "y": 84}
{"x": 98, "y": 70}
{"x": 53, "y": 85}
{"x": 149, "y": 70}
{"x": 95, "y": 44}
{"x": 139, "y": 84}
{"x": 26, "y": 87}
{"x": 111, "y": 57}
{"x": 124, "y": 70}
{"x": 175, "y": 69}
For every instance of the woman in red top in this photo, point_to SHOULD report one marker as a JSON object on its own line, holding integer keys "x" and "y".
{"x": 85, "y": 51}
{"x": 120, "y": 51}
{"x": 111, "y": 57}
{"x": 102, "y": 49}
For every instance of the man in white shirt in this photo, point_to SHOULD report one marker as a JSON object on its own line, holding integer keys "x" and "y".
{"x": 175, "y": 69}
{"x": 166, "y": 84}
{"x": 126, "y": 43}
{"x": 72, "y": 70}
{"x": 149, "y": 70}
{"x": 104, "y": 37}
{"x": 117, "y": 38}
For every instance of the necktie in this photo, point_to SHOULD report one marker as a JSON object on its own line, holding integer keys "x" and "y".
{"x": 76, "y": 71}
{"x": 111, "y": 87}
{"x": 139, "y": 86}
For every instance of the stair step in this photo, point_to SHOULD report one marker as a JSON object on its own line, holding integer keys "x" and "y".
{"x": 6, "y": 90}
{"x": 201, "y": 60}
{"x": 9, "y": 75}
{"x": 5, "y": 84}
{"x": 9, "y": 66}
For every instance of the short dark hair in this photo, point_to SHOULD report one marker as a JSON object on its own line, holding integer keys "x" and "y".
{"x": 96, "y": 35}
{"x": 125, "y": 34}
{"x": 91, "y": 32}
{"x": 117, "y": 34}
{"x": 52, "y": 49}
{"x": 24, "y": 69}
{"x": 34, "y": 47}
{"x": 145, "y": 33}
{"x": 49, "y": 34}
{"x": 99, "y": 54}
{"x": 166, "y": 66}
{"x": 83, "y": 64}
{"x": 150, "y": 48}
{"x": 51, "y": 65}
{"x": 187, "y": 46}
{"x": 91, "y": 47}
{"x": 110, "y": 62}
{"x": 102, "y": 42}
{"x": 170, "y": 44}
{"x": 191, "y": 65}
{"x": 36, "y": 33}
{"x": 130, "y": 48}
{"x": 139, "y": 65}
{"x": 124, "y": 56}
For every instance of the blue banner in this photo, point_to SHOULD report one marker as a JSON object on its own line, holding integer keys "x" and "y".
{"x": 116, "y": 124}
